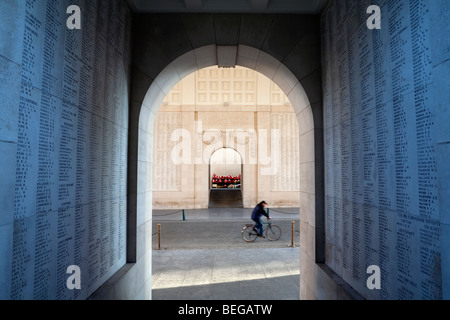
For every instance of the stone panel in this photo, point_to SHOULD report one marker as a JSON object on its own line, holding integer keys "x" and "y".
{"x": 67, "y": 131}
{"x": 381, "y": 138}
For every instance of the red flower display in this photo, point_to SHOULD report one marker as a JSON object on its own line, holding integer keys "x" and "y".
{"x": 226, "y": 181}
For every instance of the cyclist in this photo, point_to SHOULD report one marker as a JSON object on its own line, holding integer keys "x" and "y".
{"x": 257, "y": 213}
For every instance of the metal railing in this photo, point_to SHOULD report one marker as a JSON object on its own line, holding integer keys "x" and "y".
{"x": 269, "y": 209}
{"x": 292, "y": 234}
{"x": 172, "y": 213}
{"x": 159, "y": 236}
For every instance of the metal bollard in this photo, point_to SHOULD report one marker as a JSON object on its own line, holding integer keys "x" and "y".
{"x": 292, "y": 234}
{"x": 184, "y": 217}
{"x": 159, "y": 237}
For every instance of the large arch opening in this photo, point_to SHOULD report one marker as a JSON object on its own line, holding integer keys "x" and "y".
{"x": 273, "y": 69}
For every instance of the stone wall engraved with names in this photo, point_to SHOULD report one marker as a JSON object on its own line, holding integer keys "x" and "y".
{"x": 167, "y": 172}
{"x": 71, "y": 161}
{"x": 287, "y": 177}
{"x": 380, "y": 161}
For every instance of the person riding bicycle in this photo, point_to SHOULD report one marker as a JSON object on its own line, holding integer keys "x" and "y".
{"x": 257, "y": 213}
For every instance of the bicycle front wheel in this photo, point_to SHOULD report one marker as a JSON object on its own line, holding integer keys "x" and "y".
{"x": 273, "y": 233}
{"x": 248, "y": 234}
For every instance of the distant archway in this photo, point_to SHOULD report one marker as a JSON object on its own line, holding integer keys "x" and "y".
{"x": 225, "y": 179}
{"x": 225, "y": 162}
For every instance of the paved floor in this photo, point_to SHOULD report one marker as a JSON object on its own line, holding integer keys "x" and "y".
{"x": 206, "y": 258}
{"x": 233, "y": 274}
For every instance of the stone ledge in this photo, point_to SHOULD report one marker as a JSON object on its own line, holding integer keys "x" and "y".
{"x": 107, "y": 290}
{"x": 344, "y": 290}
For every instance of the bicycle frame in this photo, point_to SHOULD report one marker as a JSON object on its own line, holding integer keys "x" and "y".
{"x": 266, "y": 225}
{"x": 272, "y": 231}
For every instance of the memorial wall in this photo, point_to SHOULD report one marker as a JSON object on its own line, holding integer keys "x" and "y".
{"x": 63, "y": 143}
{"x": 382, "y": 172}
{"x": 216, "y": 108}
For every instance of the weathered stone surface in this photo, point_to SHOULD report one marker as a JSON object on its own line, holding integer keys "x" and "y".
{"x": 385, "y": 147}
{"x": 63, "y": 137}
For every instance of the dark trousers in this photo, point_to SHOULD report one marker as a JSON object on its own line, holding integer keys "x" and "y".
{"x": 259, "y": 226}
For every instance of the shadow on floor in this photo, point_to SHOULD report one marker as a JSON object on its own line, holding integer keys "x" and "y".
{"x": 276, "y": 288}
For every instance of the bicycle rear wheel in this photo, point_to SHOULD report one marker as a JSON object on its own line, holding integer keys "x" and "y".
{"x": 248, "y": 234}
{"x": 273, "y": 233}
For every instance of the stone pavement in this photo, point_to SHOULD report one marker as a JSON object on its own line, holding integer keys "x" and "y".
{"x": 205, "y": 257}
{"x": 230, "y": 274}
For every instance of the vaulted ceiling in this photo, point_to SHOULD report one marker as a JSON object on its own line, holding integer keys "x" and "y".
{"x": 229, "y": 6}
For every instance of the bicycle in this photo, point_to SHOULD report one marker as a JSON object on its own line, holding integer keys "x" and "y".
{"x": 272, "y": 232}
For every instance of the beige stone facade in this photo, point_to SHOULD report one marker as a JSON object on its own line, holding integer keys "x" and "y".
{"x": 238, "y": 109}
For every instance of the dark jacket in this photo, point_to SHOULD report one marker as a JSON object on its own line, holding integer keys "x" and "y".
{"x": 258, "y": 212}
